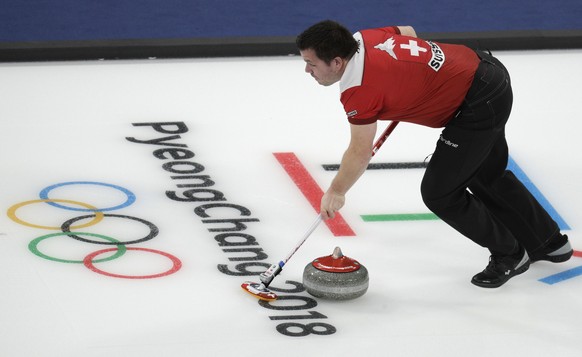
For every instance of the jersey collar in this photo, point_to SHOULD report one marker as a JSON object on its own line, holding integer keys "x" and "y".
{"x": 354, "y": 71}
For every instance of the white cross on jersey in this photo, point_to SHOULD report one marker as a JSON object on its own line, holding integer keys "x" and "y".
{"x": 413, "y": 47}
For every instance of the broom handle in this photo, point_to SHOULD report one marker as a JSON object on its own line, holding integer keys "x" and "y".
{"x": 314, "y": 225}
{"x": 383, "y": 137}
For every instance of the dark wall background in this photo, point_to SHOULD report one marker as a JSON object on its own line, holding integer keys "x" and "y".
{"x": 89, "y": 29}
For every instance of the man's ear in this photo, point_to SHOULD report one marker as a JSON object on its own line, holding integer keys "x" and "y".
{"x": 337, "y": 63}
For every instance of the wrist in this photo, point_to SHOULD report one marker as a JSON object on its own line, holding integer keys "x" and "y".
{"x": 336, "y": 191}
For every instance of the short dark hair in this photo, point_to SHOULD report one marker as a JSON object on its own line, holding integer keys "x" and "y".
{"x": 329, "y": 40}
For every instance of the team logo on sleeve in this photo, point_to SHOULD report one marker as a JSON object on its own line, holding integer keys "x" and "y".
{"x": 438, "y": 57}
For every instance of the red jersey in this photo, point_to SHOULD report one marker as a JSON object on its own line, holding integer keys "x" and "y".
{"x": 396, "y": 77}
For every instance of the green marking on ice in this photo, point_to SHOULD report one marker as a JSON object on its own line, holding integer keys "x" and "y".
{"x": 399, "y": 217}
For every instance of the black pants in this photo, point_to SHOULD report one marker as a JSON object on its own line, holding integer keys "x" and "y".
{"x": 466, "y": 183}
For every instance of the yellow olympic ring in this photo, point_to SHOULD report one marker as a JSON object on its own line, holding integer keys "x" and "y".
{"x": 12, "y": 213}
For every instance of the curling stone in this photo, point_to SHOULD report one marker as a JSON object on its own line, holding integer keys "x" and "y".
{"x": 335, "y": 277}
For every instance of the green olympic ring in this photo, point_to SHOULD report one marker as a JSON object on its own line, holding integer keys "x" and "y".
{"x": 33, "y": 247}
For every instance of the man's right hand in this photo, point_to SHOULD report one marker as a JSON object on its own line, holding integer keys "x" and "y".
{"x": 331, "y": 202}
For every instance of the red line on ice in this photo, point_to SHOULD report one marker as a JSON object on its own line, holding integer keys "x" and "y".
{"x": 311, "y": 191}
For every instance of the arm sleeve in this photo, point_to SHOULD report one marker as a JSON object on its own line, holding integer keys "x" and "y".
{"x": 361, "y": 105}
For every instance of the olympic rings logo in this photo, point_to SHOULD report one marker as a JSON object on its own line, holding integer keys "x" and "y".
{"x": 70, "y": 228}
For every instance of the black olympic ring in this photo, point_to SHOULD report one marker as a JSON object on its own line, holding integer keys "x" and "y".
{"x": 66, "y": 227}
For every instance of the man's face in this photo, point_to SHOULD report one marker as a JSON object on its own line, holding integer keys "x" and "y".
{"x": 325, "y": 74}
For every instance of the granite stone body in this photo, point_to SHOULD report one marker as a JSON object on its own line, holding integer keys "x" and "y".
{"x": 336, "y": 277}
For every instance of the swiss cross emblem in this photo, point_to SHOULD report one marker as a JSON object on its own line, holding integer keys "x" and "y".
{"x": 411, "y": 46}
{"x": 414, "y": 48}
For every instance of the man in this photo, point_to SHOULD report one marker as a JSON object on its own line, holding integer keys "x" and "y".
{"x": 390, "y": 74}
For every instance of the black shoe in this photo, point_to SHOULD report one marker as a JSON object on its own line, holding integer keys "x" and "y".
{"x": 501, "y": 268}
{"x": 557, "y": 251}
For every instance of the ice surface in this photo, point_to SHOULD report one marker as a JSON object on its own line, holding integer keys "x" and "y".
{"x": 68, "y": 122}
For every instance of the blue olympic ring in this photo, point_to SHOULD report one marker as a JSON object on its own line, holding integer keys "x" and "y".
{"x": 130, "y": 196}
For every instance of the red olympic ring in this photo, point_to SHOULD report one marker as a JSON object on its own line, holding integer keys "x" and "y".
{"x": 177, "y": 264}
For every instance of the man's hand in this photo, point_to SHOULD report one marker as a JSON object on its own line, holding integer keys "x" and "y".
{"x": 330, "y": 203}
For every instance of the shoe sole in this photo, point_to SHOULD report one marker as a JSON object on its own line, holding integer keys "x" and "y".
{"x": 555, "y": 258}
{"x": 522, "y": 269}
{"x": 559, "y": 256}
